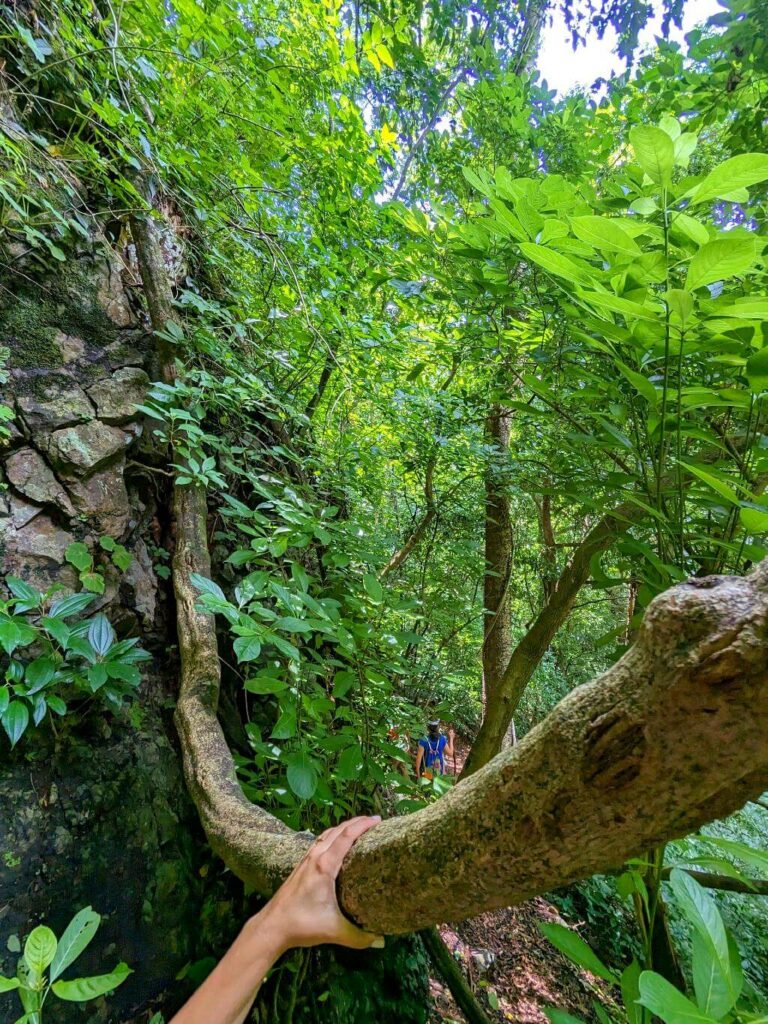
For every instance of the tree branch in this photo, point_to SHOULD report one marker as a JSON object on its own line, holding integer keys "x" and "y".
{"x": 669, "y": 738}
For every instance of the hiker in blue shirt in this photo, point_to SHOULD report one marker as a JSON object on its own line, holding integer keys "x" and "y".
{"x": 430, "y": 759}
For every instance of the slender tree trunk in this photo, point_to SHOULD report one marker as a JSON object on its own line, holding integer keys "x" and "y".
{"x": 497, "y": 626}
{"x": 531, "y": 649}
{"x": 453, "y": 976}
{"x": 421, "y": 527}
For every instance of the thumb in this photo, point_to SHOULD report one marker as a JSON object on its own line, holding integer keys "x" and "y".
{"x": 355, "y": 938}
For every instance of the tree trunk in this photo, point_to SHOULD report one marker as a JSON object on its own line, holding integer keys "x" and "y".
{"x": 497, "y": 626}
{"x": 531, "y": 649}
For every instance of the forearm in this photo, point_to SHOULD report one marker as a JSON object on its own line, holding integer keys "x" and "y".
{"x": 227, "y": 994}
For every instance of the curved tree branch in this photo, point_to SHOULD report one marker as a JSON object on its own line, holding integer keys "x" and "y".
{"x": 669, "y": 738}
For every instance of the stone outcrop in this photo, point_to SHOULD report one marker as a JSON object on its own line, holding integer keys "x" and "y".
{"x": 78, "y": 358}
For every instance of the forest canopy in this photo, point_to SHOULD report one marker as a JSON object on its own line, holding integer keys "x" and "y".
{"x": 354, "y": 378}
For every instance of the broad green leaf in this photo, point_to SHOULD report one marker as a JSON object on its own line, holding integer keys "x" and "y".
{"x": 604, "y": 234}
{"x": 754, "y": 520}
{"x": 39, "y": 673}
{"x": 101, "y": 635}
{"x": 71, "y": 605}
{"x": 645, "y": 206}
{"x": 668, "y": 1003}
{"x": 40, "y": 948}
{"x": 577, "y": 950}
{"x": 301, "y": 774}
{"x": 82, "y": 989}
{"x": 15, "y": 720}
{"x": 749, "y": 854}
{"x": 206, "y": 586}
{"x": 28, "y": 597}
{"x": 77, "y": 554}
{"x": 680, "y": 304}
{"x": 721, "y": 259}
{"x": 558, "y": 1016}
{"x": 654, "y": 151}
{"x": 373, "y": 588}
{"x": 618, "y": 304}
{"x": 247, "y": 648}
{"x": 724, "y": 985}
{"x": 8, "y": 984}
{"x": 74, "y": 940}
{"x": 722, "y": 488}
{"x": 640, "y": 383}
{"x": 630, "y": 992}
{"x": 265, "y": 685}
{"x": 737, "y": 172}
{"x": 757, "y": 371}
{"x": 93, "y": 581}
{"x": 556, "y": 263}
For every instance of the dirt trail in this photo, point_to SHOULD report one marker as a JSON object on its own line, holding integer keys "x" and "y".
{"x": 505, "y": 954}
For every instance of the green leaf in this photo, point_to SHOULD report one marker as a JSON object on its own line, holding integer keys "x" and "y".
{"x": 557, "y": 1016}
{"x": 757, "y": 371}
{"x": 82, "y": 989}
{"x": 56, "y": 704}
{"x": 680, "y": 304}
{"x": 737, "y": 172}
{"x": 77, "y": 554}
{"x": 206, "y": 586}
{"x": 720, "y": 259}
{"x": 40, "y": 948}
{"x": 8, "y": 984}
{"x": 15, "y": 720}
{"x": 93, "y": 581}
{"x": 71, "y": 605}
{"x": 754, "y": 520}
{"x": 666, "y": 1002}
{"x": 722, "y": 488}
{"x": 57, "y": 628}
{"x": 640, "y": 383}
{"x": 556, "y": 263}
{"x": 291, "y": 624}
{"x": 39, "y": 673}
{"x": 101, "y": 635}
{"x": 76, "y": 937}
{"x": 700, "y": 909}
{"x": 630, "y": 991}
{"x": 28, "y": 597}
{"x": 5, "y": 698}
{"x": 373, "y": 588}
{"x": 301, "y": 774}
{"x": 577, "y": 950}
{"x": 654, "y": 151}
{"x": 265, "y": 684}
{"x": 604, "y": 234}
{"x": 247, "y": 648}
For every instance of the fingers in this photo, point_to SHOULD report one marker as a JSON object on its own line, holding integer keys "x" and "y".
{"x": 333, "y": 854}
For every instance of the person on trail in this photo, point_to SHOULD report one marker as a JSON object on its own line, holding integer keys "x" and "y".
{"x": 430, "y": 758}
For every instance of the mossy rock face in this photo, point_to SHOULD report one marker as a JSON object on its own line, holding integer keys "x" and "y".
{"x": 104, "y": 822}
{"x": 63, "y": 326}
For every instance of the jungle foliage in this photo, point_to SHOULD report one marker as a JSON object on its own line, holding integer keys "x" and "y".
{"x": 382, "y": 226}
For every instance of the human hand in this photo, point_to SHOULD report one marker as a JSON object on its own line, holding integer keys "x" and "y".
{"x": 304, "y": 911}
{"x": 451, "y": 734}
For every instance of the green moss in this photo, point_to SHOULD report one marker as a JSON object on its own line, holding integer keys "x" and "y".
{"x": 30, "y": 322}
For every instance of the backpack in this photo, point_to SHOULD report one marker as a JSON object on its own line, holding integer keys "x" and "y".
{"x": 433, "y": 759}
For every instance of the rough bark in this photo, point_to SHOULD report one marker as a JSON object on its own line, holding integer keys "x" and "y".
{"x": 531, "y": 649}
{"x": 497, "y": 626}
{"x": 670, "y": 737}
